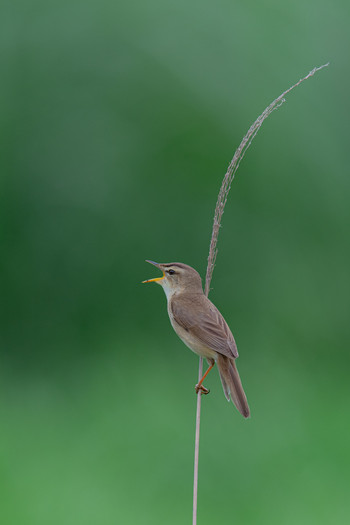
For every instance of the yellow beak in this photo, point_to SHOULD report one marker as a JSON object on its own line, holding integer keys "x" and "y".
{"x": 156, "y": 278}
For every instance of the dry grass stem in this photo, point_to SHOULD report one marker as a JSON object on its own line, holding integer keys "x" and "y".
{"x": 219, "y": 210}
{"x": 196, "y": 447}
{"x": 231, "y": 171}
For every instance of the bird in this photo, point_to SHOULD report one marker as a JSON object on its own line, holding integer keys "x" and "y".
{"x": 202, "y": 328}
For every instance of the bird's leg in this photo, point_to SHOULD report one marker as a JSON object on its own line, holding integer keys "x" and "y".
{"x": 199, "y": 386}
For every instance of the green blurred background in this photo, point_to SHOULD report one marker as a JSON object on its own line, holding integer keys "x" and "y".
{"x": 118, "y": 120}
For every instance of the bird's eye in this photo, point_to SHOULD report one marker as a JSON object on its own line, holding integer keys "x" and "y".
{"x": 171, "y": 272}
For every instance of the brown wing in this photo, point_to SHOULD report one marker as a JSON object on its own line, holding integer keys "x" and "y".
{"x": 198, "y": 315}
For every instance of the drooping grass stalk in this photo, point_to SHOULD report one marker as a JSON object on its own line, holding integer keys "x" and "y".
{"x": 219, "y": 210}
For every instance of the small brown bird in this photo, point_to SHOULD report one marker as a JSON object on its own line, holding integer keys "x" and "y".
{"x": 201, "y": 327}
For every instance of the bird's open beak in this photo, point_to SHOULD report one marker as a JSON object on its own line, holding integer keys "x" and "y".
{"x": 157, "y": 278}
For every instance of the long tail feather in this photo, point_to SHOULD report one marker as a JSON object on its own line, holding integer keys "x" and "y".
{"x": 231, "y": 383}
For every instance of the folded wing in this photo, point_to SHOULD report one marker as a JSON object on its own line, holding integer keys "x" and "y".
{"x": 206, "y": 324}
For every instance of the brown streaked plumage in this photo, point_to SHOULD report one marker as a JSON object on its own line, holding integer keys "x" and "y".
{"x": 201, "y": 327}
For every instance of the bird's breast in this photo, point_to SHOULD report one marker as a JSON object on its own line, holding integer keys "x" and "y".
{"x": 190, "y": 340}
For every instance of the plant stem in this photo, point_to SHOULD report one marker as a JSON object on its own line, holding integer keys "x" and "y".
{"x": 219, "y": 210}
{"x": 196, "y": 447}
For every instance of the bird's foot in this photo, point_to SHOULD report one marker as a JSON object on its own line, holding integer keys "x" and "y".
{"x": 201, "y": 388}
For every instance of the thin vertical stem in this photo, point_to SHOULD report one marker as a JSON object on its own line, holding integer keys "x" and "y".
{"x": 196, "y": 447}
{"x": 219, "y": 210}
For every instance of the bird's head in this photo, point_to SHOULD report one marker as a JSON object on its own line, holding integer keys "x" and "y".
{"x": 177, "y": 278}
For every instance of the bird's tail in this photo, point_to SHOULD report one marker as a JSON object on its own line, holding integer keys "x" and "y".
{"x": 231, "y": 383}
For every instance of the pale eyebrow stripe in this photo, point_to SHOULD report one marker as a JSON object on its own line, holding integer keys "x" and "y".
{"x": 177, "y": 265}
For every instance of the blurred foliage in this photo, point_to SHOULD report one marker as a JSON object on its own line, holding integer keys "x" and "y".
{"x": 118, "y": 120}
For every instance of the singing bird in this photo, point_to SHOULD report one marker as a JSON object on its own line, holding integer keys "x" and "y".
{"x": 201, "y": 327}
